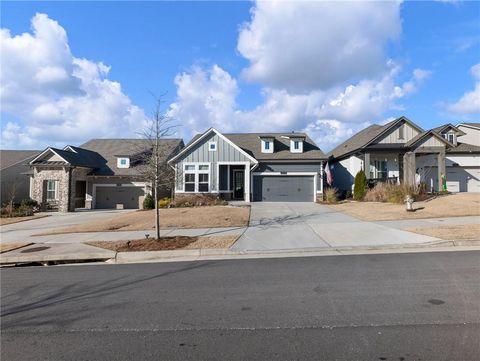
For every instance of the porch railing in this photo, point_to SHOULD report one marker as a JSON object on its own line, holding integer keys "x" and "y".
{"x": 372, "y": 182}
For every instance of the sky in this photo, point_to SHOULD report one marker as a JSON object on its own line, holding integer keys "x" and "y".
{"x": 73, "y": 71}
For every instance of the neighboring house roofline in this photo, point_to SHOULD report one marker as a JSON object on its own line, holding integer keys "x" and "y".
{"x": 204, "y": 135}
{"x": 46, "y": 150}
{"x": 470, "y": 125}
{"x": 17, "y": 162}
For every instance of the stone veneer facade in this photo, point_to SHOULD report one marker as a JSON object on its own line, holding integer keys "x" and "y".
{"x": 66, "y": 178}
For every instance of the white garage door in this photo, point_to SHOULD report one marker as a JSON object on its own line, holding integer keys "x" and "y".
{"x": 463, "y": 179}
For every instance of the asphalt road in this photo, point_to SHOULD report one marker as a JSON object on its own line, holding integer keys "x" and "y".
{"x": 423, "y": 306}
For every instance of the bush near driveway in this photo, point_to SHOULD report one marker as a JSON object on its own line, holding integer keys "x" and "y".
{"x": 331, "y": 195}
{"x": 387, "y": 192}
{"x": 197, "y": 200}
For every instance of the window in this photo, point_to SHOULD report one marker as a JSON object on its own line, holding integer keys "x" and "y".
{"x": 123, "y": 162}
{"x": 381, "y": 169}
{"x": 197, "y": 178}
{"x": 212, "y": 146}
{"x": 51, "y": 189}
{"x": 296, "y": 144}
{"x": 451, "y": 137}
{"x": 190, "y": 182}
{"x": 267, "y": 145}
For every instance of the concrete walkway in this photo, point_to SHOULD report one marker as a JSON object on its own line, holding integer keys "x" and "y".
{"x": 430, "y": 222}
{"x": 278, "y": 226}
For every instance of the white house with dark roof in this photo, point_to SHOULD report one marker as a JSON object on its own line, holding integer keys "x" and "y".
{"x": 100, "y": 174}
{"x": 400, "y": 151}
{"x": 251, "y": 166}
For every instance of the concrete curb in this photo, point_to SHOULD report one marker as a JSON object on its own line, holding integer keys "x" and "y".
{"x": 219, "y": 254}
{"x": 211, "y": 254}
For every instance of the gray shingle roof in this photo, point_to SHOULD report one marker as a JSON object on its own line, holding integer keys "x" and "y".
{"x": 250, "y": 143}
{"x": 464, "y": 148}
{"x": 477, "y": 125}
{"x": 79, "y": 158}
{"x": 11, "y": 157}
{"x": 110, "y": 149}
{"x": 357, "y": 141}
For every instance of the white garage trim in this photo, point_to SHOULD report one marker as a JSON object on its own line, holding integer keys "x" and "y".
{"x": 133, "y": 184}
{"x": 293, "y": 174}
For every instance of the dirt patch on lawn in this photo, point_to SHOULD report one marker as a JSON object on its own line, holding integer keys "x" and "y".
{"x": 10, "y": 220}
{"x": 166, "y": 243}
{"x": 454, "y": 205}
{"x": 195, "y": 217}
{"x": 454, "y": 232}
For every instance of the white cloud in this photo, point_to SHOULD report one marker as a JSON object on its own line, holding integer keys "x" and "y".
{"x": 469, "y": 103}
{"x": 207, "y": 97}
{"x": 57, "y": 97}
{"x": 317, "y": 45}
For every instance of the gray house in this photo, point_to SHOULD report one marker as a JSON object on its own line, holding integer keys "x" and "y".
{"x": 250, "y": 166}
{"x": 100, "y": 174}
{"x": 13, "y": 174}
{"x": 401, "y": 151}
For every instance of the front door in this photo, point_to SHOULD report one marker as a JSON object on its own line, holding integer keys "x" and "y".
{"x": 238, "y": 184}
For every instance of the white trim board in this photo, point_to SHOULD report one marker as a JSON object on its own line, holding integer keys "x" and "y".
{"x": 46, "y": 150}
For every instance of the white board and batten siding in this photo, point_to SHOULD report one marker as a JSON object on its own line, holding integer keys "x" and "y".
{"x": 393, "y": 136}
{"x": 200, "y": 153}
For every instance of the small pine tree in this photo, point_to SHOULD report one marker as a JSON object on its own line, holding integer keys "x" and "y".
{"x": 360, "y": 188}
{"x": 148, "y": 202}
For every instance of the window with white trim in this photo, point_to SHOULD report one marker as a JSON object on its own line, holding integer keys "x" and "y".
{"x": 267, "y": 145}
{"x": 450, "y": 137}
{"x": 123, "y": 162}
{"x": 51, "y": 190}
{"x": 196, "y": 178}
{"x": 296, "y": 145}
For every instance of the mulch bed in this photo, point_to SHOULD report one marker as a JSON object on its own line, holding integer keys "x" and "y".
{"x": 146, "y": 244}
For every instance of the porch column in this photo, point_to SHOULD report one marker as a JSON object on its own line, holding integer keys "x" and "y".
{"x": 247, "y": 183}
{"x": 409, "y": 167}
{"x": 441, "y": 169}
{"x": 321, "y": 177}
{"x": 366, "y": 165}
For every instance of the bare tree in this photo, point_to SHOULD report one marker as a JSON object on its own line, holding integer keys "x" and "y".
{"x": 152, "y": 158}
{"x": 12, "y": 194}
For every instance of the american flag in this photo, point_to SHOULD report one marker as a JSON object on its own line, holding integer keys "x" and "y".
{"x": 329, "y": 174}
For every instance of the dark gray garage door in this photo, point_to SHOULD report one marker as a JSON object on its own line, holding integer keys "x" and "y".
{"x": 109, "y": 197}
{"x": 283, "y": 188}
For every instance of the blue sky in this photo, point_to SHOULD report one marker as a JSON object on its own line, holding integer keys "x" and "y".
{"x": 87, "y": 69}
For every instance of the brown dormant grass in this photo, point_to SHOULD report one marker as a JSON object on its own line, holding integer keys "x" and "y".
{"x": 455, "y": 205}
{"x": 196, "y": 217}
{"x": 456, "y": 232}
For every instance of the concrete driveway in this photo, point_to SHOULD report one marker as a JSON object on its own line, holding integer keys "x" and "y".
{"x": 21, "y": 231}
{"x": 278, "y": 225}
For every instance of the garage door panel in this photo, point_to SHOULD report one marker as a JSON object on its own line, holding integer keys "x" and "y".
{"x": 463, "y": 179}
{"x": 109, "y": 197}
{"x": 283, "y": 188}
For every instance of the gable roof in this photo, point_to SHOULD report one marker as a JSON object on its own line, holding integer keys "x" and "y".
{"x": 250, "y": 145}
{"x": 197, "y": 138}
{"x": 445, "y": 127}
{"x": 369, "y": 135}
{"x": 425, "y": 134}
{"x": 111, "y": 149}
{"x": 12, "y": 157}
{"x": 76, "y": 158}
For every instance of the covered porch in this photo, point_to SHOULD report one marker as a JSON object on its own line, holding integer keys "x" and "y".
{"x": 233, "y": 181}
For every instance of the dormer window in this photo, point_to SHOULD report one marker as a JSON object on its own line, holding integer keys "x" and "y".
{"x": 450, "y": 137}
{"x": 123, "y": 162}
{"x": 296, "y": 145}
{"x": 267, "y": 145}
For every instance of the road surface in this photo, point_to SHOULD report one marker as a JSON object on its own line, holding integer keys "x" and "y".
{"x": 423, "y": 306}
